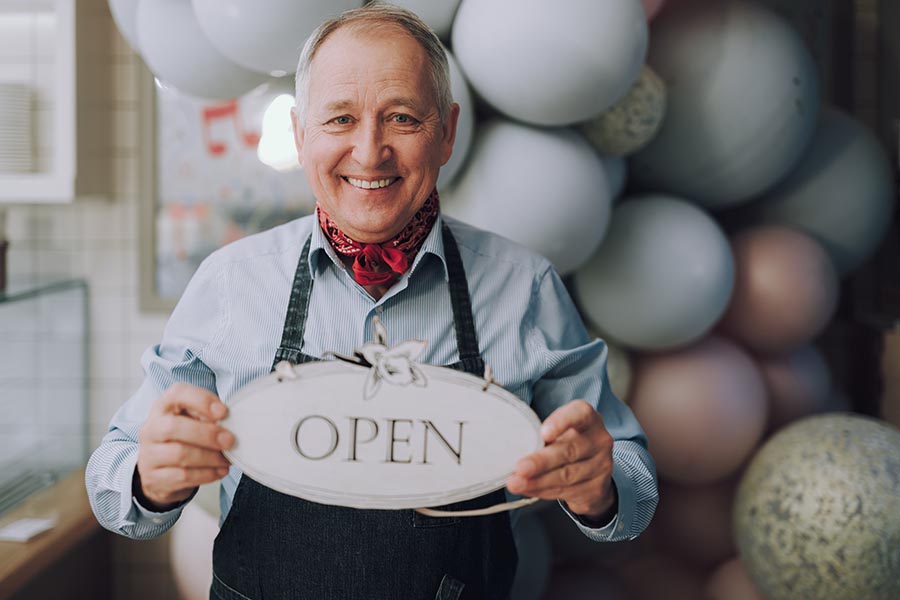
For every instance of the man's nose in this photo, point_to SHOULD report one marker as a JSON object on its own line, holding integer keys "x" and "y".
{"x": 370, "y": 146}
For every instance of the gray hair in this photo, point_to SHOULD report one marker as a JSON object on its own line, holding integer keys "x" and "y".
{"x": 379, "y": 13}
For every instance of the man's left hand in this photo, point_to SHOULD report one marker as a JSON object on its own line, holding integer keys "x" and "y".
{"x": 575, "y": 466}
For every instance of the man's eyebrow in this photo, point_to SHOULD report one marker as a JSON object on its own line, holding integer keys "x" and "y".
{"x": 341, "y": 105}
{"x": 338, "y": 105}
{"x": 402, "y": 101}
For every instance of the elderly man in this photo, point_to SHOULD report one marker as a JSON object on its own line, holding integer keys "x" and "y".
{"x": 374, "y": 122}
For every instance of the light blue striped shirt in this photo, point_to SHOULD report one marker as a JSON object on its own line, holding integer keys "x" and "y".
{"x": 224, "y": 332}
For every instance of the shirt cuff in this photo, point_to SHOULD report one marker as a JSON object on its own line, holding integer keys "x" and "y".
{"x": 157, "y": 518}
{"x": 595, "y": 533}
{"x": 136, "y": 514}
{"x": 616, "y": 527}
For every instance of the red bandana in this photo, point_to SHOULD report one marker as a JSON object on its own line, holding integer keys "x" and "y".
{"x": 384, "y": 263}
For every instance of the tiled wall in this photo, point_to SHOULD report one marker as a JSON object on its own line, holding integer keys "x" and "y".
{"x": 96, "y": 238}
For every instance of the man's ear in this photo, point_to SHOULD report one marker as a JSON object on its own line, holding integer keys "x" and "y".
{"x": 299, "y": 134}
{"x": 448, "y": 133}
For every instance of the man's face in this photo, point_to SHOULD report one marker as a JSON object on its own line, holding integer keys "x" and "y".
{"x": 372, "y": 142}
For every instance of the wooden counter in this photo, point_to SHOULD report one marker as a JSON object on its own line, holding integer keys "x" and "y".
{"x": 71, "y": 560}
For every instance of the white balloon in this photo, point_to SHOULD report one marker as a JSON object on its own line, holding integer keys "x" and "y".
{"x": 743, "y": 98}
{"x": 124, "y": 13}
{"x": 841, "y": 193}
{"x": 543, "y": 188}
{"x": 179, "y": 54}
{"x": 551, "y": 63}
{"x": 438, "y": 14}
{"x": 266, "y": 37}
{"x": 464, "y": 128}
{"x": 662, "y": 277}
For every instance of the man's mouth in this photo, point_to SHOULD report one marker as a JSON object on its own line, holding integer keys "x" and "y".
{"x": 370, "y": 184}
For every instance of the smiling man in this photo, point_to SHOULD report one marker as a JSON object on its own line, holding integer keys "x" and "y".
{"x": 374, "y": 123}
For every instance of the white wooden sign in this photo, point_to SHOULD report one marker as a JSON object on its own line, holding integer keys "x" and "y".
{"x": 389, "y": 433}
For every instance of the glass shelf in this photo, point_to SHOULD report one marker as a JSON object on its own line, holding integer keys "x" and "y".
{"x": 43, "y": 385}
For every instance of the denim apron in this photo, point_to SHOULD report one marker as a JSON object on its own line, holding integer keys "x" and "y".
{"x": 273, "y": 545}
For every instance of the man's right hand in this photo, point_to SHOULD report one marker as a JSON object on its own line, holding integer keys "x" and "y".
{"x": 180, "y": 446}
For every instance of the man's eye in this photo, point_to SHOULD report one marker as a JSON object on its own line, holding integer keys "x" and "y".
{"x": 403, "y": 119}
{"x": 343, "y": 120}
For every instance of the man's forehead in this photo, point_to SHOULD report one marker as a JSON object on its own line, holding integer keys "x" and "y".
{"x": 373, "y": 37}
{"x": 391, "y": 59}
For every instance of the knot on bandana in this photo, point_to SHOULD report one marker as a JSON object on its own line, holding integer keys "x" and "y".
{"x": 385, "y": 262}
{"x": 369, "y": 264}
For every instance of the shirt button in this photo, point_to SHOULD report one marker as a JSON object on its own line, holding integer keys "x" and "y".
{"x": 157, "y": 520}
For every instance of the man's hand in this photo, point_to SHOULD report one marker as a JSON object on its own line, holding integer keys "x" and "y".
{"x": 575, "y": 466}
{"x": 180, "y": 446}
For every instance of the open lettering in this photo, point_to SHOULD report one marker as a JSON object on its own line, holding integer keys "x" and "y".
{"x": 317, "y": 437}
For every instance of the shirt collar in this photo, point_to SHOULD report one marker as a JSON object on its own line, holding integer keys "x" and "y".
{"x": 433, "y": 244}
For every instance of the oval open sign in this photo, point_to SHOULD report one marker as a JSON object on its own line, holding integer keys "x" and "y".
{"x": 395, "y": 435}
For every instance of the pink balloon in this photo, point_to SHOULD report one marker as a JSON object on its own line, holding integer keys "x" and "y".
{"x": 799, "y": 384}
{"x": 704, "y": 409}
{"x": 785, "y": 290}
{"x": 731, "y": 582}
{"x": 651, "y": 7}
{"x": 694, "y": 522}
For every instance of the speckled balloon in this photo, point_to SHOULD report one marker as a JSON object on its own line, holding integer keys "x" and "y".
{"x": 631, "y": 123}
{"x": 817, "y": 513}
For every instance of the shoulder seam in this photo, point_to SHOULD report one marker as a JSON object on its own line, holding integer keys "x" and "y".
{"x": 536, "y": 272}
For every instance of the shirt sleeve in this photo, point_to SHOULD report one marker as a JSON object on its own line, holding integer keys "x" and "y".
{"x": 574, "y": 367}
{"x": 196, "y": 321}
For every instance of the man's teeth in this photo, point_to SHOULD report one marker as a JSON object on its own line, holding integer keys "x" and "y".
{"x": 370, "y": 185}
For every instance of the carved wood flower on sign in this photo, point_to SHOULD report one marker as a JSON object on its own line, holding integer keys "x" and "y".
{"x": 395, "y": 365}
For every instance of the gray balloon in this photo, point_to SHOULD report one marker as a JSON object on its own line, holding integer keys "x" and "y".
{"x": 662, "y": 276}
{"x": 742, "y": 101}
{"x": 841, "y": 192}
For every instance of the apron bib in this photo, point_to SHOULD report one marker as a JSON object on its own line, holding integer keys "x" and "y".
{"x": 273, "y": 545}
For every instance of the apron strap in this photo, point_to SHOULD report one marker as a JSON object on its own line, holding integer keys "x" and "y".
{"x": 463, "y": 321}
{"x": 298, "y": 309}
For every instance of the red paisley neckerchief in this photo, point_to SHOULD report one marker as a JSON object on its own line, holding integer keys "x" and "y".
{"x": 384, "y": 263}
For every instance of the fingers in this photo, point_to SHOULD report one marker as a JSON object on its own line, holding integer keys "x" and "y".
{"x": 190, "y": 400}
{"x": 578, "y": 415}
{"x": 163, "y": 428}
{"x": 587, "y": 490}
{"x": 570, "y": 447}
{"x": 563, "y": 481}
{"x": 185, "y": 457}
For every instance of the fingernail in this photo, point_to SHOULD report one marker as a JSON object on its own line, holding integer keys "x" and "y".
{"x": 222, "y": 472}
{"x": 524, "y": 467}
{"x": 219, "y": 410}
{"x": 225, "y": 440}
